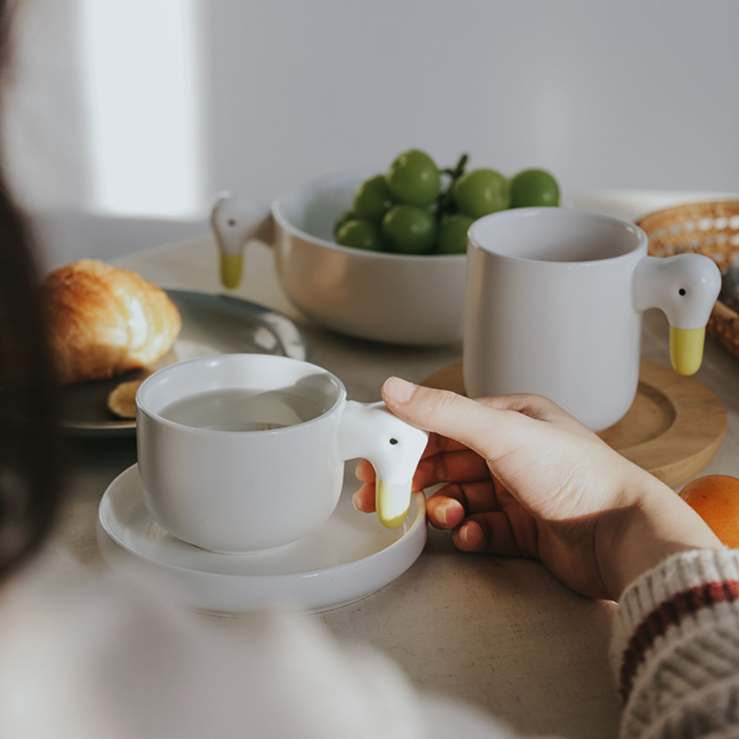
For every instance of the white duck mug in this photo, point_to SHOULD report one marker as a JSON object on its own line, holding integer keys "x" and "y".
{"x": 237, "y": 491}
{"x": 554, "y": 307}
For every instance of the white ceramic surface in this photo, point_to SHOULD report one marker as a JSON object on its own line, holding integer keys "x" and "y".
{"x": 554, "y": 301}
{"x": 246, "y": 491}
{"x": 347, "y": 558}
{"x": 384, "y": 297}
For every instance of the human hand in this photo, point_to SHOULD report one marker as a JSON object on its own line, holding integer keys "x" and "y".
{"x": 524, "y": 478}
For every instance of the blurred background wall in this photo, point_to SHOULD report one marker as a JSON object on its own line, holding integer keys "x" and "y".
{"x": 125, "y": 116}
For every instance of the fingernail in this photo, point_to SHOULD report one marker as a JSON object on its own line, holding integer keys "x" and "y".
{"x": 442, "y": 514}
{"x": 398, "y": 390}
{"x": 463, "y": 535}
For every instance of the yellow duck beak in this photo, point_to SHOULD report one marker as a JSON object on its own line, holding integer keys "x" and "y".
{"x": 392, "y": 499}
{"x": 686, "y": 349}
{"x": 231, "y": 267}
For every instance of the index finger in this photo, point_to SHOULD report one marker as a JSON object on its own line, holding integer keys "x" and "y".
{"x": 490, "y": 431}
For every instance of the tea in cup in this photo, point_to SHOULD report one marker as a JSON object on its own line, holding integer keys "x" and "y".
{"x": 245, "y": 452}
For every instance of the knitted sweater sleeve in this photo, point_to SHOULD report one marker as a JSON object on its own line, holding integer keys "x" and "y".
{"x": 675, "y": 649}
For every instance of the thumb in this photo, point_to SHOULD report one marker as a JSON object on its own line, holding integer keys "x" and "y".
{"x": 491, "y": 432}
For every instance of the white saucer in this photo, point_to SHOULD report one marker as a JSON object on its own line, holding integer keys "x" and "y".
{"x": 348, "y": 558}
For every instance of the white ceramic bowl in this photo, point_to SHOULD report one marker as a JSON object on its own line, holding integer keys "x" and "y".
{"x": 384, "y": 297}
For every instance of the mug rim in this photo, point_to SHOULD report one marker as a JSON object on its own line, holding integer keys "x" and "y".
{"x": 158, "y": 418}
{"x": 544, "y": 211}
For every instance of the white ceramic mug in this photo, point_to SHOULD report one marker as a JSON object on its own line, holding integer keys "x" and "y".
{"x": 554, "y": 306}
{"x": 246, "y": 491}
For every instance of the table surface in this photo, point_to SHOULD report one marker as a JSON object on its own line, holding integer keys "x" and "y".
{"x": 499, "y": 633}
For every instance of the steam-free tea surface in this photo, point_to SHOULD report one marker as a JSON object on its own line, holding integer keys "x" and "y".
{"x": 673, "y": 429}
{"x": 243, "y": 410}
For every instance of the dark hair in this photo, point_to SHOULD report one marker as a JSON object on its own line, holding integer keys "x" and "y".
{"x": 29, "y": 444}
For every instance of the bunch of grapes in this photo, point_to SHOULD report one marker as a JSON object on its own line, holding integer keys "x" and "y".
{"x": 407, "y": 211}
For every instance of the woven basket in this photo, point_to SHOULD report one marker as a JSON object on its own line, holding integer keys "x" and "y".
{"x": 703, "y": 228}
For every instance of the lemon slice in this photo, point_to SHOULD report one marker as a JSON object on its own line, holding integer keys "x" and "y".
{"x": 122, "y": 400}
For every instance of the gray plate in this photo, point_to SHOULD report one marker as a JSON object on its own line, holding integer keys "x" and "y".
{"x": 211, "y": 324}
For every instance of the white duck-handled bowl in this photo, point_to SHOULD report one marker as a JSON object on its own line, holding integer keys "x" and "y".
{"x": 394, "y": 298}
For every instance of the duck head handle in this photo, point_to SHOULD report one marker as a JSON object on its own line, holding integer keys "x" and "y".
{"x": 235, "y": 220}
{"x": 394, "y": 449}
{"x": 685, "y": 288}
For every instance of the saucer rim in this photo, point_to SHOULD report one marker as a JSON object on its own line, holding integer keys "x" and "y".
{"x": 418, "y": 520}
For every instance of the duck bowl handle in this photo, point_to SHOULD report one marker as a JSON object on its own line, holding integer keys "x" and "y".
{"x": 685, "y": 288}
{"x": 235, "y": 220}
{"x": 392, "y": 446}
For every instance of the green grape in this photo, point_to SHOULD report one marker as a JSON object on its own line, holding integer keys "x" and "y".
{"x": 482, "y": 191}
{"x": 347, "y": 215}
{"x": 373, "y": 198}
{"x": 360, "y": 234}
{"x": 413, "y": 178}
{"x": 534, "y": 187}
{"x": 408, "y": 229}
{"x": 452, "y": 238}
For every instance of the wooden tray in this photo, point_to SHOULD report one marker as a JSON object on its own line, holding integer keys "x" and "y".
{"x": 673, "y": 429}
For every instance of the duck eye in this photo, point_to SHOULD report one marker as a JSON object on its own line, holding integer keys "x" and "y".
{"x": 393, "y": 441}
{"x": 231, "y": 222}
{"x": 682, "y": 291}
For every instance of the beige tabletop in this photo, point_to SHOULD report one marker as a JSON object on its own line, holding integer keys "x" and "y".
{"x": 499, "y": 633}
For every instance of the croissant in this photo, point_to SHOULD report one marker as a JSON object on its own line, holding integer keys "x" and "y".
{"x": 104, "y": 321}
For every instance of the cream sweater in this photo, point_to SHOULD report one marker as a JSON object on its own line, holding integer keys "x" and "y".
{"x": 675, "y": 649}
{"x": 115, "y": 661}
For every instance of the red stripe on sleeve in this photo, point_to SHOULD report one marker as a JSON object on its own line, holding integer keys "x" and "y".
{"x": 670, "y": 613}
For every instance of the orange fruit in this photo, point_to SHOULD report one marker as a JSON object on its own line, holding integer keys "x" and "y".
{"x": 715, "y": 498}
